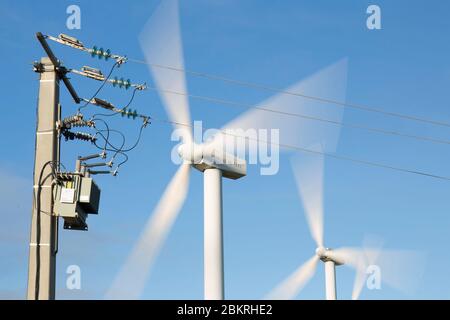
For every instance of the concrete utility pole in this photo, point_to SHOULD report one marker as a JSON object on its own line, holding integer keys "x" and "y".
{"x": 44, "y": 225}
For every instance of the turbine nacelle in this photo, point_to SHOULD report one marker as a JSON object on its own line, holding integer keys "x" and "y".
{"x": 204, "y": 156}
{"x": 327, "y": 254}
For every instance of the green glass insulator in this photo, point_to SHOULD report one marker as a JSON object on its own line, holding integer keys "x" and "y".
{"x": 121, "y": 83}
{"x": 94, "y": 51}
{"x": 114, "y": 82}
{"x": 107, "y": 54}
{"x": 100, "y": 53}
{"x": 127, "y": 84}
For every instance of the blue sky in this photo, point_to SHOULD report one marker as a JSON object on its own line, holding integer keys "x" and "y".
{"x": 402, "y": 68}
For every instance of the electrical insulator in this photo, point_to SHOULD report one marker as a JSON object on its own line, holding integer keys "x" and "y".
{"x": 107, "y": 54}
{"x": 64, "y": 176}
{"x": 76, "y": 121}
{"x": 129, "y": 114}
{"x": 127, "y": 84}
{"x": 69, "y": 135}
{"x": 83, "y": 123}
{"x": 115, "y": 81}
{"x": 67, "y": 122}
{"x": 121, "y": 83}
{"x": 100, "y": 53}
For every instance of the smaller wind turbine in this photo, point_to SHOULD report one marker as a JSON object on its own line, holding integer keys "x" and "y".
{"x": 309, "y": 178}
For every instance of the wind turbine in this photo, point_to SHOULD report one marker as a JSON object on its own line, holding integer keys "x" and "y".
{"x": 393, "y": 264}
{"x": 162, "y": 46}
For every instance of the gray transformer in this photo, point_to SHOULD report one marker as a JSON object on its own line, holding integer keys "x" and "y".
{"x": 75, "y": 199}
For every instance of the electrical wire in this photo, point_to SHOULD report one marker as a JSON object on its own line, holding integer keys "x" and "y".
{"x": 306, "y": 150}
{"x": 100, "y": 88}
{"x": 107, "y": 130}
{"x": 38, "y": 223}
{"x": 113, "y": 149}
{"x": 54, "y": 175}
{"x": 297, "y": 94}
{"x": 123, "y": 109}
{"x": 271, "y": 109}
{"x": 137, "y": 140}
{"x": 121, "y": 149}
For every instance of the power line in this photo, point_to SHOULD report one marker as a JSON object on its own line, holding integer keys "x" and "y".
{"x": 74, "y": 43}
{"x": 119, "y": 60}
{"x": 303, "y": 116}
{"x": 297, "y": 94}
{"x": 327, "y": 154}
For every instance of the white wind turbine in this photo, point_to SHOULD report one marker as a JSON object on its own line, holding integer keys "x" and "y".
{"x": 399, "y": 269}
{"x": 162, "y": 46}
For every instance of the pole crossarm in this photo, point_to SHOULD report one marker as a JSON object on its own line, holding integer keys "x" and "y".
{"x": 59, "y": 69}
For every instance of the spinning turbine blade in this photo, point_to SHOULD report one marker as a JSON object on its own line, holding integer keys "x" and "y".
{"x": 357, "y": 259}
{"x": 372, "y": 247}
{"x": 131, "y": 280}
{"x": 290, "y": 287}
{"x": 399, "y": 269}
{"x": 360, "y": 279}
{"x": 296, "y": 131}
{"x": 162, "y": 45}
{"x": 308, "y": 172}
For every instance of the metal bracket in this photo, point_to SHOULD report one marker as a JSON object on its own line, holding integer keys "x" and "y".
{"x": 38, "y": 67}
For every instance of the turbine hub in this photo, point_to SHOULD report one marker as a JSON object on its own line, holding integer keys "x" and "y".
{"x": 191, "y": 153}
{"x": 326, "y": 254}
{"x": 322, "y": 253}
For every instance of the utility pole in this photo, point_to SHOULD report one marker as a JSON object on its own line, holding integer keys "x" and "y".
{"x": 70, "y": 195}
{"x": 44, "y": 225}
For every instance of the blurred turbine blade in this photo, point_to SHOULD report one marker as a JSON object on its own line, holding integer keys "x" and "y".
{"x": 360, "y": 279}
{"x": 290, "y": 287}
{"x": 372, "y": 246}
{"x": 131, "y": 280}
{"x": 399, "y": 269}
{"x": 349, "y": 256}
{"x": 358, "y": 284}
{"x": 308, "y": 173}
{"x": 329, "y": 83}
{"x": 355, "y": 258}
{"x": 161, "y": 43}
